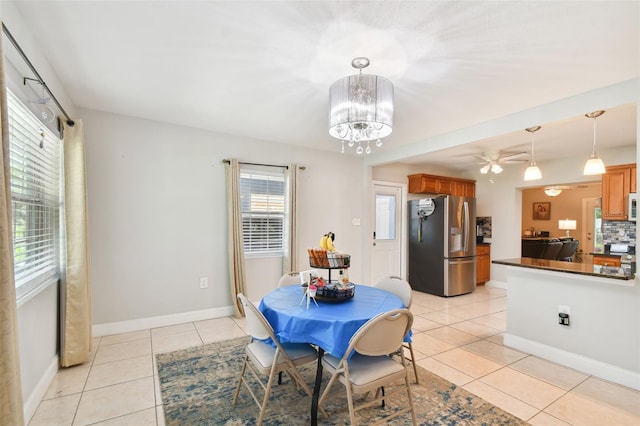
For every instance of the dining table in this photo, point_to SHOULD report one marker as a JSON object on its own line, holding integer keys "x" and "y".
{"x": 329, "y": 324}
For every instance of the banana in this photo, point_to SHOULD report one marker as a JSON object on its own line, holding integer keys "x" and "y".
{"x": 326, "y": 242}
{"x": 330, "y": 246}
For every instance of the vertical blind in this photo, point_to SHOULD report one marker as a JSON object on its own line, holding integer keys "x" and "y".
{"x": 263, "y": 210}
{"x": 35, "y": 154}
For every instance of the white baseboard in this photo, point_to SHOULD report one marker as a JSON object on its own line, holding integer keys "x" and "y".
{"x": 30, "y": 405}
{"x": 496, "y": 284}
{"x": 628, "y": 378}
{"x": 160, "y": 321}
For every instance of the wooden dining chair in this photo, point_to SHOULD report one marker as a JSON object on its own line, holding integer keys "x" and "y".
{"x": 262, "y": 358}
{"x": 403, "y": 290}
{"x": 370, "y": 367}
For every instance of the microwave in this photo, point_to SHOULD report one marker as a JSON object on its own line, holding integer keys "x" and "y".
{"x": 633, "y": 207}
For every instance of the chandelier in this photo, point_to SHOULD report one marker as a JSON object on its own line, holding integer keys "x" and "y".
{"x": 361, "y": 109}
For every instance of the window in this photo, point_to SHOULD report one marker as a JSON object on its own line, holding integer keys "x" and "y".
{"x": 35, "y": 154}
{"x": 263, "y": 211}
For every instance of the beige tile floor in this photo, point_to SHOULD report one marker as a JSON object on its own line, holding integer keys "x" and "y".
{"x": 457, "y": 338}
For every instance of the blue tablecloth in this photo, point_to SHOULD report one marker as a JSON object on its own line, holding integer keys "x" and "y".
{"x": 329, "y": 325}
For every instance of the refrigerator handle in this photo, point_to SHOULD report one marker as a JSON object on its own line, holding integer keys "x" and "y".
{"x": 466, "y": 226}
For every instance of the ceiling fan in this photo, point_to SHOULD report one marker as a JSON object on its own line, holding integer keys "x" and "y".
{"x": 493, "y": 161}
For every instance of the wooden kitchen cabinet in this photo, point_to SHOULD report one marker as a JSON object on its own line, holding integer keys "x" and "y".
{"x": 607, "y": 261}
{"x": 616, "y": 185}
{"x": 483, "y": 263}
{"x": 432, "y": 184}
{"x": 633, "y": 183}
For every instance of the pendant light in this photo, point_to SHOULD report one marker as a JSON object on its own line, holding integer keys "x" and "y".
{"x": 595, "y": 165}
{"x": 533, "y": 171}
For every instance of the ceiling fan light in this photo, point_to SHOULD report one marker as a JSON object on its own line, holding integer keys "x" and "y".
{"x": 594, "y": 166}
{"x": 495, "y": 168}
{"x": 485, "y": 169}
{"x": 552, "y": 192}
{"x": 533, "y": 172}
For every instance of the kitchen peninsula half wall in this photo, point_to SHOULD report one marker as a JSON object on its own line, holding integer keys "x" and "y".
{"x": 599, "y": 333}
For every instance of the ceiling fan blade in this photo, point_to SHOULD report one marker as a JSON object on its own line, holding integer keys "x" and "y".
{"x": 512, "y": 154}
{"x": 514, "y": 161}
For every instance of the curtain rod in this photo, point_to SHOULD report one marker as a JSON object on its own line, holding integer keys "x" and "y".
{"x": 266, "y": 165}
{"x": 70, "y": 122}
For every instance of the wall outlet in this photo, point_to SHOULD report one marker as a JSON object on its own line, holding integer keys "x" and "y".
{"x": 564, "y": 314}
{"x": 204, "y": 282}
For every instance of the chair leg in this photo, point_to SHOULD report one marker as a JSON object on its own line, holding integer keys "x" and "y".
{"x": 326, "y": 393}
{"x": 413, "y": 362}
{"x": 267, "y": 392}
{"x": 244, "y": 367}
{"x": 352, "y": 412}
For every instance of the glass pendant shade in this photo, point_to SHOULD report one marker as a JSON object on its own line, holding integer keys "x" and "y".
{"x": 595, "y": 165}
{"x": 361, "y": 107}
{"x": 533, "y": 172}
{"x": 496, "y": 168}
{"x": 485, "y": 169}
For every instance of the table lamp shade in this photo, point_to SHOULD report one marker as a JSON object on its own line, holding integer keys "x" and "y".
{"x": 567, "y": 225}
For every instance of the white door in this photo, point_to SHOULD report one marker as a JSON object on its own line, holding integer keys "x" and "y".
{"x": 388, "y": 223}
{"x": 591, "y": 238}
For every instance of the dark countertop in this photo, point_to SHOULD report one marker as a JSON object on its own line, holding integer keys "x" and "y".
{"x": 585, "y": 268}
{"x": 611, "y": 254}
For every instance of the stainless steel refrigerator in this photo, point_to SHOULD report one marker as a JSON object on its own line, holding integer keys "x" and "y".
{"x": 442, "y": 245}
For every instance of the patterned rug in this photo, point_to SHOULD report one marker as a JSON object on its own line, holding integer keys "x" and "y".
{"x": 198, "y": 383}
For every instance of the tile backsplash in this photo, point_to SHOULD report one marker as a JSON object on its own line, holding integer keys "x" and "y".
{"x": 614, "y": 232}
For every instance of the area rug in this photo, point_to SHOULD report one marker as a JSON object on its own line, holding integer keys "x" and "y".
{"x": 198, "y": 384}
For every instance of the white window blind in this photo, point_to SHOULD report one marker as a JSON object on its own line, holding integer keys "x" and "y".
{"x": 263, "y": 210}
{"x": 35, "y": 154}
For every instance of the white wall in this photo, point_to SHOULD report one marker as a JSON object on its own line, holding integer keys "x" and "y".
{"x": 157, "y": 214}
{"x": 603, "y": 337}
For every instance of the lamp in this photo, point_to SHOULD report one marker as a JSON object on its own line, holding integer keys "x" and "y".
{"x": 595, "y": 165}
{"x": 493, "y": 166}
{"x": 533, "y": 171}
{"x": 552, "y": 192}
{"x": 361, "y": 108}
{"x": 567, "y": 224}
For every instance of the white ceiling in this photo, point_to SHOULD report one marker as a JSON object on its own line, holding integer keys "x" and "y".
{"x": 263, "y": 68}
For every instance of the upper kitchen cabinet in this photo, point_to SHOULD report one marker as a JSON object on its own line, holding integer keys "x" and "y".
{"x": 617, "y": 183}
{"x": 431, "y": 184}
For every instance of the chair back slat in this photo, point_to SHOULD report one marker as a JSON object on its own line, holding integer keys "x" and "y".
{"x": 397, "y": 286}
{"x": 290, "y": 278}
{"x": 257, "y": 325}
{"x": 382, "y": 334}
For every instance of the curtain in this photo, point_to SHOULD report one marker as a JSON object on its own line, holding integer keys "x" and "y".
{"x": 290, "y": 259}
{"x": 235, "y": 242}
{"x": 76, "y": 288}
{"x": 11, "y": 409}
